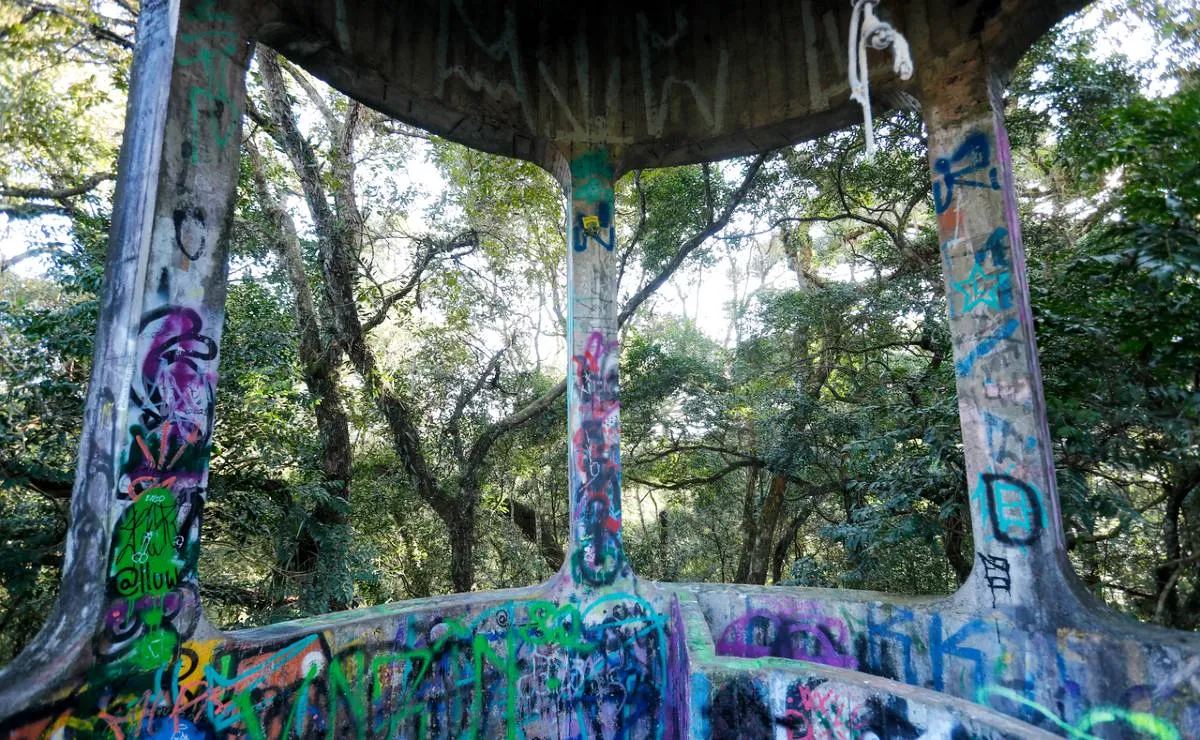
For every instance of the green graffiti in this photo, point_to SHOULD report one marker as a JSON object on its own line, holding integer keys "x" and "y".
{"x": 212, "y": 108}
{"x": 1145, "y": 723}
{"x": 144, "y": 560}
{"x": 506, "y": 670}
{"x": 213, "y": 111}
{"x": 345, "y": 690}
{"x": 144, "y": 569}
{"x": 592, "y": 176}
{"x": 206, "y": 11}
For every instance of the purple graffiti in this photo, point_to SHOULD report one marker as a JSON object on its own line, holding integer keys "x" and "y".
{"x": 802, "y": 636}
{"x": 176, "y": 385}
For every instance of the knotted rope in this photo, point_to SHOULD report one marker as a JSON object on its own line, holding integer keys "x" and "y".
{"x": 867, "y": 30}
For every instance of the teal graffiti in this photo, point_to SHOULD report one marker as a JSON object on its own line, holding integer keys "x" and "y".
{"x": 1012, "y": 507}
{"x": 983, "y": 286}
{"x": 592, "y": 176}
{"x": 212, "y": 109}
{"x": 1143, "y": 722}
{"x": 979, "y": 288}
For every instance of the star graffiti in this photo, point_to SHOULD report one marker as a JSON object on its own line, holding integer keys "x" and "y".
{"x": 979, "y": 288}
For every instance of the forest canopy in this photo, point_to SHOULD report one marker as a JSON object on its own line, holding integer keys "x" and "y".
{"x": 788, "y": 404}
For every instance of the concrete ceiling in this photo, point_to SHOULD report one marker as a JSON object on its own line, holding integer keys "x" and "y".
{"x": 659, "y": 83}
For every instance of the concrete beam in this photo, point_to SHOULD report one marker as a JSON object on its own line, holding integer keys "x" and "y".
{"x": 130, "y": 595}
{"x": 596, "y": 555}
{"x": 1016, "y": 522}
{"x": 667, "y": 82}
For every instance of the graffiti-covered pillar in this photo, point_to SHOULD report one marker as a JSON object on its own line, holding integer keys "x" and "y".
{"x": 164, "y": 431}
{"x": 596, "y": 556}
{"x": 1019, "y": 551}
{"x": 130, "y": 570}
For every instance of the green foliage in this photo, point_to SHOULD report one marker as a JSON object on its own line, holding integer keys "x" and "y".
{"x": 1117, "y": 332}
{"x": 45, "y": 359}
{"x": 57, "y": 80}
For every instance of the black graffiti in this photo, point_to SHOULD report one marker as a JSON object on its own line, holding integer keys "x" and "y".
{"x": 887, "y": 717}
{"x": 997, "y": 574}
{"x": 190, "y": 234}
{"x": 738, "y": 710}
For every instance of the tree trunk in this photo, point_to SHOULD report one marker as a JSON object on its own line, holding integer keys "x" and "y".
{"x": 954, "y": 540}
{"x": 338, "y": 241}
{"x": 787, "y": 540}
{"x": 771, "y": 509}
{"x": 1185, "y": 479}
{"x": 462, "y": 548}
{"x": 321, "y": 543}
{"x": 541, "y": 533}
{"x": 749, "y": 525}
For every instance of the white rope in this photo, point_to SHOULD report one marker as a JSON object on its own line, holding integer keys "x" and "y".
{"x": 867, "y": 30}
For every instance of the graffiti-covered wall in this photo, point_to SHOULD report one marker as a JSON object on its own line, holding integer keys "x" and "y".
{"x": 520, "y": 666}
{"x": 1020, "y": 651}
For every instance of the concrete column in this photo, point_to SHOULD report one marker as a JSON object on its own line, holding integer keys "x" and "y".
{"x": 596, "y": 557}
{"x": 1019, "y": 549}
{"x": 155, "y": 375}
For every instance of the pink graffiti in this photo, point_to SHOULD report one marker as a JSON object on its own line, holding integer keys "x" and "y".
{"x": 596, "y": 462}
{"x": 820, "y": 714}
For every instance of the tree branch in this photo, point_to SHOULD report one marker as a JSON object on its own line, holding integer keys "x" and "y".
{"x": 86, "y": 185}
{"x": 469, "y": 238}
{"x": 7, "y": 264}
{"x": 464, "y": 398}
{"x": 691, "y": 244}
{"x": 314, "y": 96}
{"x": 682, "y": 483}
{"x": 98, "y": 32}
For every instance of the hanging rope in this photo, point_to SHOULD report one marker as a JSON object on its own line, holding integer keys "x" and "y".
{"x": 867, "y": 30}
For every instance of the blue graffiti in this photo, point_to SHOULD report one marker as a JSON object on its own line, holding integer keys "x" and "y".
{"x": 227, "y": 716}
{"x": 939, "y": 648}
{"x": 877, "y": 632}
{"x": 996, "y": 247}
{"x": 970, "y": 166}
{"x": 964, "y": 366}
{"x": 169, "y": 728}
{"x": 594, "y": 227}
{"x": 999, "y": 430}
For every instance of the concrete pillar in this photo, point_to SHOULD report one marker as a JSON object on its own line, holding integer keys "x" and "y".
{"x": 143, "y": 468}
{"x": 596, "y": 556}
{"x": 1020, "y": 557}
